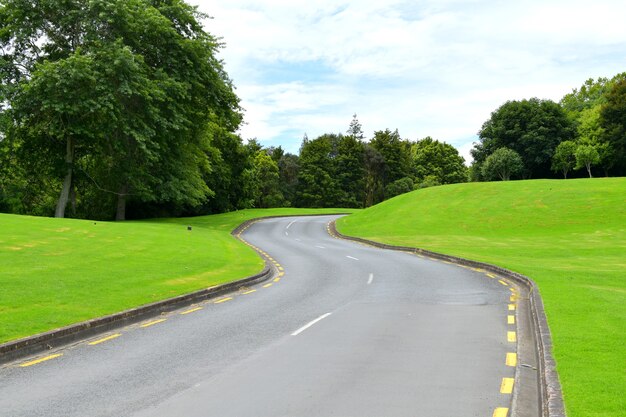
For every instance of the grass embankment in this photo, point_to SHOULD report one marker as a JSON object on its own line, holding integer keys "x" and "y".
{"x": 569, "y": 236}
{"x": 55, "y": 272}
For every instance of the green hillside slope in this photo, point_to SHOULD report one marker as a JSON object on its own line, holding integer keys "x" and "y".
{"x": 54, "y": 272}
{"x": 569, "y": 236}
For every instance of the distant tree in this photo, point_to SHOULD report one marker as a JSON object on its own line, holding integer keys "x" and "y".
{"x": 276, "y": 152}
{"x": 288, "y": 168}
{"x": 266, "y": 173}
{"x": 532, "y": 128}
{"x": 350, "y": 171}
{"x": 374, "y": 165}
{"x": 564, "y": 158}
{"x": 317, "y": 182}
{"x": 613, "y": 121}
{"x": 396, "y": 155}
{"x": 355, "y": 129}
{"x": 586, "y": 156}
{"x": 503, "y": 164}
{"x": 401, "y": 186}
{"x": 439, "y": 160}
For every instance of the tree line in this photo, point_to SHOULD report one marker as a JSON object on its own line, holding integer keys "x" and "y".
{"x": 585, "y": 131}
{"x": 121, "y": 109}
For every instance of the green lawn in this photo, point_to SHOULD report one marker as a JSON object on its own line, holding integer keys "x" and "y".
{"x": 569, "y": 236}
{"x": 55, "y": 272}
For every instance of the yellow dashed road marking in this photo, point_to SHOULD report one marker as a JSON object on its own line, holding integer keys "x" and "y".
{"x": 152, "y": 323}
{"x": 268, "y": 285}
{"x": 276, "y": 279}
{"x": 500, "y": 412}
{"x": 510, "y": 320}
{"x": 105, "y": 339}
{"x": 191, "y": 310}
{"x": 491, "y": 275}
{"x": 223, "y": 300}
{"x": 513, "y": 298}
{"x": 507, "y": 385}
{"x": 511, "y": 359}
{"x": 511, "y": 336}
{"x": 511, "y": 307}
{"x": 36, "y": 361}
{"x": 249, "y": 292}
{"x": 503, "y": 282}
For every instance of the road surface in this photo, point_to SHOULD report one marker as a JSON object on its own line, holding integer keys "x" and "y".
{"x": 345, "y": 330}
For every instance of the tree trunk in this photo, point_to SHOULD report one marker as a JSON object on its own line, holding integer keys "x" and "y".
{"x": 564, "y": 174}
{"x": 121, "y": 203}
{"x": 67, "y": 182}
{"x": 589, "y": 170}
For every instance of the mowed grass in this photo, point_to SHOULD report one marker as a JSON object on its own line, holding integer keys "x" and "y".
{"x": 569, "y": 236}
{"x": 55, "y": 272}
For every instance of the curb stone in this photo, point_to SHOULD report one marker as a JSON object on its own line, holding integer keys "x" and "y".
{"x": 552, "y": 404}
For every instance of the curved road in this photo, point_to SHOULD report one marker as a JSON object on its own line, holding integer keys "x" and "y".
{"x": 345, "y": 330}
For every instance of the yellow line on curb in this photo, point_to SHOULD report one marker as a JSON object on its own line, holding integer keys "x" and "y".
{"x": 276, "y": 279}
{"x": 503, "y": 282}
{"x": 36, "y": 361}
{"x": 268, "y": 285}
{"x": 511, "y": 336}
{"x": 513, "y": 298}
{"x": 507, "y": 385}
{"x": 190, "y": 311}
{"x": 511, "y": 359}
{"x": 152, "y": 323}
{"x": 280, "y": 268}
{"x": 105, "y": 339}
{"x": 223, "y": 300}
{"x": 510, "y": 320}
{"x": 500, "y": 412}
{"x": 249, "y": 292}
{"x": 511, "y": 307}
{"x": 491, "y": 275}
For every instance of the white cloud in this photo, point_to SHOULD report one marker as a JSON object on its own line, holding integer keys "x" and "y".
{"x": 429, "y": 67}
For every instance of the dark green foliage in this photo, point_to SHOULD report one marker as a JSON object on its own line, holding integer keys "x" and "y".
{"x": 267, "y": 177}
{"x": 288, "y": 169}
{"x": 396, "y": 155}
{"x": 532, "y": 128}
{"x": 438, "y": 160}
{"x": 113, "y": 96}
{"x": 350, "y": 172}
{"x": 502, "y": 164}
{"x": 613, "y": 121}
{"x": 317, "y": 183}
{"x": 401, "y": 186}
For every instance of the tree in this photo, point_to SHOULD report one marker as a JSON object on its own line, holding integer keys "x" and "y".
{"x": 317, "y": 180}
{"x": 288, "y": 168}
{"x": 401, "y": 186}
{"x": 150, "y": 71}
{"x": 350, "y": 171}
{"x": 503, "y": 164}
{"x": 586, "y": 156}
{"x": 266, "y": 173}
{"x": 440, "y": 160}
{"x": 564, "y": 158}
{"x": 355, "y": 129}
{"x": 396, "y": 155}
{"x": 613, "y": 121}
{"x": 532, "y": 128}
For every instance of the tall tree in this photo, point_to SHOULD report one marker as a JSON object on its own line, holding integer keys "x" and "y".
{"x": 317, "y": 182}
{"x": 586, "y": 156}
{"x": 350, "y": 171}
{"x": 355, "y": 130}
{"x": 613, "y": 121}
{"x": 158, "y": 82}
{"x": 564, "y": 158}
{"x": 532, "y": 128}
{"x": 396, "y": 155}
{"x": 439, "y": 160}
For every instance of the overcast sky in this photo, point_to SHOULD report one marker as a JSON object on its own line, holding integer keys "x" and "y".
{"x": 428, "y": 68}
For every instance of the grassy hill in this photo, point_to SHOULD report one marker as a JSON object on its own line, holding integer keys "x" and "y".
{"x": 569, "y": 236}
{"x": 54, "y": 272}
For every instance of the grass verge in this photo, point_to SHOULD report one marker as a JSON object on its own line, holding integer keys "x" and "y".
{"x": 568, "y": 236}
{"x": 56, "y": 272}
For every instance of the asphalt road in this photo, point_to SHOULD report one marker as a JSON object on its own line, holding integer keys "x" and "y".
{"x": 346, "y": 330}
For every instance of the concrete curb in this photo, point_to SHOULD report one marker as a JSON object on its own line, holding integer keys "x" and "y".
{"x": 551, "y": 394}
